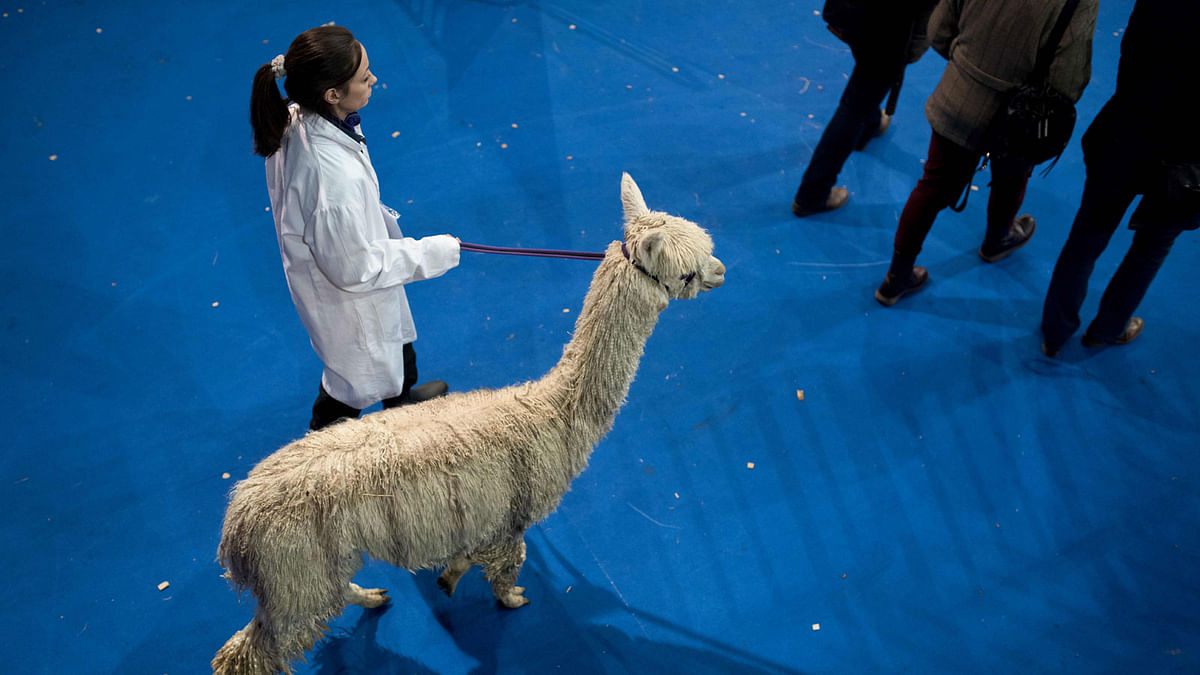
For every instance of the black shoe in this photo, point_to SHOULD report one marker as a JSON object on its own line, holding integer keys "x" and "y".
{"x": 892, "y": 289}
{"x": 837, "y": 198}
{"x": 1132, "y": 330}
{"x": 1019, "y": 234}
{"x": 424, "y": 392}
{"x": 885, "y": 121}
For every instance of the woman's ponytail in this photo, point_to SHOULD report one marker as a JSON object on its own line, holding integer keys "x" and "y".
{"x": 319, "y": 58}
{"x": 268, "y": 112}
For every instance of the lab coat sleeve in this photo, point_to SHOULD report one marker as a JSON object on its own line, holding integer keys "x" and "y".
{"x": 355, "y": 262}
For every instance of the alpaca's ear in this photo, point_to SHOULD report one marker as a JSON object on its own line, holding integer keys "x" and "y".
{"x": 649, "y": 248}
{"x": 631, "y": 198}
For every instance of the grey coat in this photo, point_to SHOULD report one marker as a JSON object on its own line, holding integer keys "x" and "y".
{"x": 991, "y": 47}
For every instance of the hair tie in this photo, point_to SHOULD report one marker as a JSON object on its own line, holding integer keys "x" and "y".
{"x": 277, "y": 67}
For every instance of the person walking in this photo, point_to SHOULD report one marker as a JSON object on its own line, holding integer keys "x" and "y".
{"x": 1143, "y": 142}
{"x": 991, "y": 48}
{"x": 344, "y": 256}
{"x": 884, "y": 37}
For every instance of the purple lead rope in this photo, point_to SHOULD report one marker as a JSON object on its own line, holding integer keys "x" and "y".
{"x": 533, "y": 252}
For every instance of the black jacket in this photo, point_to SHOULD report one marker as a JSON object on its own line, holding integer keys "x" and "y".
{"x": 1152, "y": 112}
{"x": 1148, "y": 128}
{"x": 881, "y": 29}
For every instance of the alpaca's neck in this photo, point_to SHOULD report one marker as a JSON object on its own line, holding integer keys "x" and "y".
{"x": 592, "y": 378}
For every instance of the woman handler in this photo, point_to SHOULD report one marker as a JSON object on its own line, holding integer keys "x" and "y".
{"x": 344, "y": 256}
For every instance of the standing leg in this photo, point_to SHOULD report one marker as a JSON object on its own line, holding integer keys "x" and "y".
{"x": 502, "y": 564}
{"x": 365, "y": 597}
{"x": 411, "y": 393}
{"x": 253, "y": 650}
{"x": 1106, "y": 196}
{"x": 448, "y": 580}
{"x": 410, "y": 378}
{"x": 327, "y": 410}
{"x": 295, "y": 602}
{"x": 857, "y": 116}
{"x": 948, "y": 169}
{"x": 1130, "y": 283}
{"x": 1005, "y": 232}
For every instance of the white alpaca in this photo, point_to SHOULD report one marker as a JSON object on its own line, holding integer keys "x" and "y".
{"x": 451, "y": 482}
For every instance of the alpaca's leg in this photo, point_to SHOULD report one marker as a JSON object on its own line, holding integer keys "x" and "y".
{"x": 251, "y": 651}
{"x": 448, "y": 581}
{"x": 502, "y": 564}
{"x": 366, "y": 597}
{"x": 298, "y": 591}
{"x": 266, "y": 646}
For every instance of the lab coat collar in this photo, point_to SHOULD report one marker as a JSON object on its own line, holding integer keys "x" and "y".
{"x": 319, "y": 127}
{"x": 348, "y": 126}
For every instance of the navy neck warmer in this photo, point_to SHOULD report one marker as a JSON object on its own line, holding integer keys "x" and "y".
{"x": 347, "y": 125}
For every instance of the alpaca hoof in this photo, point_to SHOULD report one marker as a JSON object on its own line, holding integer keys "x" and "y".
{"x": 368, "y": 597}
{"x": 375, "y": 597}
{"x": 514, "y": 598}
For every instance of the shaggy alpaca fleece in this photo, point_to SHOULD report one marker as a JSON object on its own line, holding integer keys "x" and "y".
{"x": 455, "y": 481}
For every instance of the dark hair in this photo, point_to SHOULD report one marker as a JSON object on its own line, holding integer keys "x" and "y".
{"x": 319, "y": 58}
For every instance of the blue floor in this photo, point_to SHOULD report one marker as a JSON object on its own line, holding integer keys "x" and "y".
{"x": 941, "y": 499}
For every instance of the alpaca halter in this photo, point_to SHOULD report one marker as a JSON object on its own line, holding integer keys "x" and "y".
{"x": 685, "y": 278}
{"x": 277, "y": 67}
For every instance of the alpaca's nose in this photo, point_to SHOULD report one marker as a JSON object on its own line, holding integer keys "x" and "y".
{"x": 716, "y": 275}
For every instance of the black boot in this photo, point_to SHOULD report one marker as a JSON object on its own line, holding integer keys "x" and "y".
{"x": 429, "y": 390}
{"x": 421, "y": 392}
{"x": 1000, "y": 245}
{"x": 903, "y": 277}
{"x": 838, "y": 196}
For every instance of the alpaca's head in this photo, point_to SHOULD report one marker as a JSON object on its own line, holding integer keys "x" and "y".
{"x": 675, "y": 252}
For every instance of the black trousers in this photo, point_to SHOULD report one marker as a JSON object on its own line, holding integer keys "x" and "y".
{"x": 327, "y": 410}
{"x": 1107, "y": 193}
{"x": 857, "y": 117}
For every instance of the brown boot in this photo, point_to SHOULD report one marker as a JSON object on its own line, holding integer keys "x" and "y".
{"x": 1132, "y": 330}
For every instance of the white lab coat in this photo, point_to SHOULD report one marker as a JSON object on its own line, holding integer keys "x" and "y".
{"x": 346, "y": 260}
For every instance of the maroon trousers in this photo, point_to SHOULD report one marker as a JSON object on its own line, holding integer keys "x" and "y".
{"x": 948, "y": 170}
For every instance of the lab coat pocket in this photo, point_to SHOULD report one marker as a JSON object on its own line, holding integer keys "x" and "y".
{"x": 382, "y": 316}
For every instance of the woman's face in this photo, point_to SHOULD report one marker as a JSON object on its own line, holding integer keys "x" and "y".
{"x": 353, "y": 96}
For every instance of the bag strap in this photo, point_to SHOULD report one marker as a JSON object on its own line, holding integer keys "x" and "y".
{"x": 894, "y": 95}
{"x": 962, "y": 202}
{"x": 1041, "y": 68}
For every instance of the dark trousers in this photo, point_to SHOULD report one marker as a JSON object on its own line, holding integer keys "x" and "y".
{"x": 1107, "y": 194}
{"x": 857, "y": 117}
{"x": 327, "y": 410}
{"x": 949, "y": 168}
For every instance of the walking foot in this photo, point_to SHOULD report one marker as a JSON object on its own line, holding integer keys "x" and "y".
{"x": 893, "y": 288}
{"x": 1019, "y": 234}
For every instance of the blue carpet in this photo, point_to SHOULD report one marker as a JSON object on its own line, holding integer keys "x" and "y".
{"x": 943, "y": 499}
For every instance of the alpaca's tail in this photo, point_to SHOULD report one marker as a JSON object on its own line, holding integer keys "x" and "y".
{"x": 250, "y": 651}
